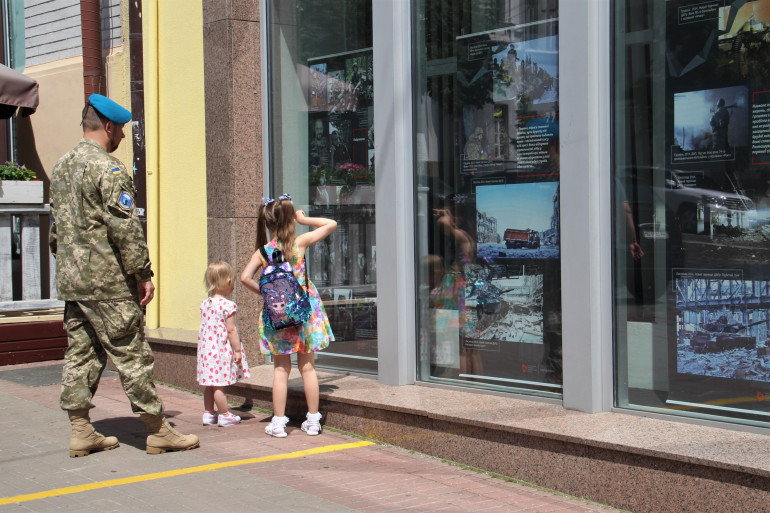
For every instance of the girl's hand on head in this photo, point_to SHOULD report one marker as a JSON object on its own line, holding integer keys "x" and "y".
{"x": 299, "y": 215}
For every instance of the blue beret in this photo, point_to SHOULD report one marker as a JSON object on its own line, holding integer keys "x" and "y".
{"x": 109, "y": 109}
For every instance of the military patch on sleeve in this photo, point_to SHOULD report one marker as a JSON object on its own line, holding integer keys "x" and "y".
{"x": 115, "y": 171}
{"x": 125, "y": 200}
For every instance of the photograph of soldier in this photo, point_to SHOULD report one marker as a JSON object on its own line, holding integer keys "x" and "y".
{"x": 360, "y": 83}
{"x": 104, "y": 276}
{"x": 356, "y": 82}
{"x": 710, "y": 124}
{"x": 340, "y": 140}
{"x": 474, "y": 148}
{"x": 319, "y": 142}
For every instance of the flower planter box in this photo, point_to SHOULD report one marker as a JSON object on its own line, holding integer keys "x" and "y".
{"x": 19, "y": 191}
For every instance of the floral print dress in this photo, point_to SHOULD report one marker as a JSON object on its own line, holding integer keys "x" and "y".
{"x": 216, "y": 366}
{"x": 314, "y": 335}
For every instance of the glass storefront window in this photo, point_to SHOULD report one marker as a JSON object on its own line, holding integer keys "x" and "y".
{"x": 691, "y": 188}
{"x": 322, "y": 153}
{"x": 487, "y": 190}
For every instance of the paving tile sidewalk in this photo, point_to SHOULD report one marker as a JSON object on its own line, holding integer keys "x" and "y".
{"x": 34, "y": 458}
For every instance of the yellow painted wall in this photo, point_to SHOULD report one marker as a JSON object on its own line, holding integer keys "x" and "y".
{"x": 176, "y": 159}
{"x": 174, "y": 138}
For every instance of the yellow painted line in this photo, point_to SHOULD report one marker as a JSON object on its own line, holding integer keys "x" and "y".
{"x": 171, "y": 473}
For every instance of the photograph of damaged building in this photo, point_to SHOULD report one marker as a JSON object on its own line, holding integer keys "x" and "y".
{"x": 722, "y": 328}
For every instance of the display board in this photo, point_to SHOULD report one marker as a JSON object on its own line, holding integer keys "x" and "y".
{"x": 498, "y": 281}
{"x": 716, "y": 189}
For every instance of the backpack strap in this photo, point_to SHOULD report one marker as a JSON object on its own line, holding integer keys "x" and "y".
{"x": 268, "y": 260}
{"x": 264, "y": 254}
{"x": 307, "y": 285}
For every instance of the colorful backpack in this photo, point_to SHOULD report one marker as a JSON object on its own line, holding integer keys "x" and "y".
{"x": 286, "y": 303}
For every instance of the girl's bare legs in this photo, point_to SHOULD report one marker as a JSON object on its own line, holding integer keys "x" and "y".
{"x": 281, "y": 370}
{"x": 208, "y": 399}
{"x": 306, "y": 364}
{"x": 220, "y": 399}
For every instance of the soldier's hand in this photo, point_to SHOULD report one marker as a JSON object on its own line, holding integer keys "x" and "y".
{"x": 146, "y": 292}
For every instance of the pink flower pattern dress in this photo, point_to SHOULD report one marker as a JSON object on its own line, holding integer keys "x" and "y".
{"x": 215, "y": 356}
{"x": 314, "y": 335}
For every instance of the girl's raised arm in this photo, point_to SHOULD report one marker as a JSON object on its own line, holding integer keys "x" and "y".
{"x": 247, "y": 276}
{"x": 323, "y": 228}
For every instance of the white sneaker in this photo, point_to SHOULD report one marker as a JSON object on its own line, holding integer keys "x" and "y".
{"x": 209, "y": 419}
{"x": 277, "y": 427}
{"x": 228, "y": 419}
{"x": 312, "y": 426}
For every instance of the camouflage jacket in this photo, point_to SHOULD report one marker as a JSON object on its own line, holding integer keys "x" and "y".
{"x": 96, "y": 235}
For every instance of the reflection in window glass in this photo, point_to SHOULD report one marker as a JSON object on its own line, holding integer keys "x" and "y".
{"x": 322, "y": 152}
{"x": 487, "y": 173}
{"x": 691, "y": 209}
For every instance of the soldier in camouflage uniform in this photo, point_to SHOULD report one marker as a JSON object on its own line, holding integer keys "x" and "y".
{"x": 104, "y": 276}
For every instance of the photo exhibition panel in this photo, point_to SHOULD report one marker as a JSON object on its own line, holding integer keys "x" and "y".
{"x": 486, "y": 102}
{"x": 691, "y": 167}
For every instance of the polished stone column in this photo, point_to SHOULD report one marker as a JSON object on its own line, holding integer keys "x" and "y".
{"x": 234, "y": 163}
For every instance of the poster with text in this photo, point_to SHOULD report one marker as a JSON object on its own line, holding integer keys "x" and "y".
{"x": 717, "y": 149}
{"x": 508, "y": 297}
{"x": 508, "y": 91}
{"x": 715, "y": 182}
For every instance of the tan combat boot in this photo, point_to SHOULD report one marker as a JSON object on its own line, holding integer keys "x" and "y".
{"x": 162, "y": 437}
{"x": 85, "y": 439}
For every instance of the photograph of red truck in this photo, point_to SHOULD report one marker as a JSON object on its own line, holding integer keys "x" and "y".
{"x": 515, "y": 239}
{"x": 517, "y": 221}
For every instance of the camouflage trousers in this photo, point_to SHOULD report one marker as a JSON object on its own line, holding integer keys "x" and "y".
{"x": 97, "y": 330}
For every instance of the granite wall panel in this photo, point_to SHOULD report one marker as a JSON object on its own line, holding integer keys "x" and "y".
{"x": 247, "y": 158}
{"x": 234, "y": 177}
{"x": 220, "y": 150}
{"x": 217, "y": 10}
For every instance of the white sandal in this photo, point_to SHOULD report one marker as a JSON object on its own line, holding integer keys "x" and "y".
{"x": 312, "y": 426}
{"x": 277, "y": 427}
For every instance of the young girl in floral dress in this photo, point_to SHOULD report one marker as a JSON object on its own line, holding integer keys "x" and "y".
{"x": 221, "y": 360}
{"x": 279, "y": 217}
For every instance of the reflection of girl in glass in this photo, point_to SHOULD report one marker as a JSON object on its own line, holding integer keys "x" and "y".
{"x": 450, "y": 292}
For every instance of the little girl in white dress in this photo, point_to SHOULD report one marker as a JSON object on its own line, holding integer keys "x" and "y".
{"x": 221, "y": 360}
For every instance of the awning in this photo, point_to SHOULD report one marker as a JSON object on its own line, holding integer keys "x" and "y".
{"x": 16, "y": 91}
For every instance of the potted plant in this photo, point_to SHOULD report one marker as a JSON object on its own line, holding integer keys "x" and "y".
{"x": 18, "y": 184}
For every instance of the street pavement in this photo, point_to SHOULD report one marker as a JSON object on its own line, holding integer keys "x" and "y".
{"x": 235, "y": 468}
